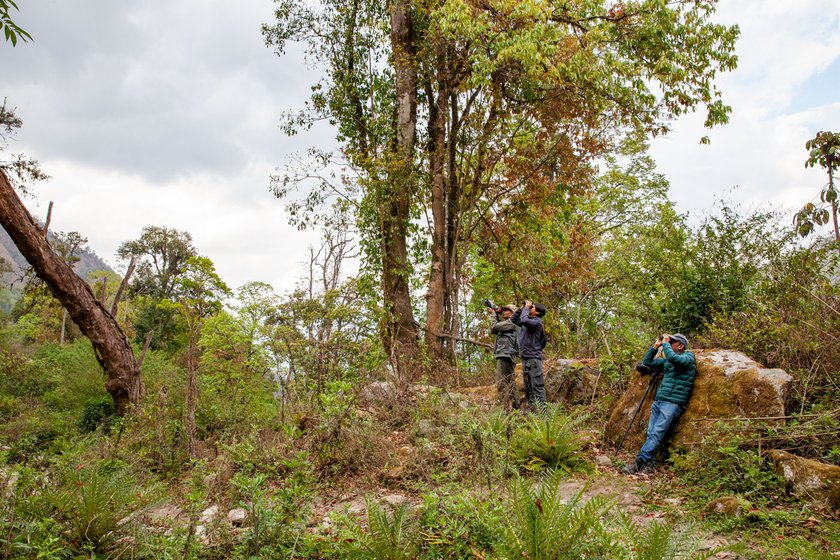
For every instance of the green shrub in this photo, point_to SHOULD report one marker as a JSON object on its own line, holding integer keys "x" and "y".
{"x": 728, "y": 469}
{"x": 656, "y": 541}
{"x": 31, "y": 436}
{"x": 549, "y": 440}
{"x": 276, "y": 523}
{"x": 97, "y": 412}
{"x": 541, "y": 526}
{"x": 92, "y": 503}
{"x": 391, "y": 535}
{"x": 457, "y": 526}
{"x": 19, "y": 379}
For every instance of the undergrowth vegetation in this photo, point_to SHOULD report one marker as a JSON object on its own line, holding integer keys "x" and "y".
{"x": 307, "y": 440}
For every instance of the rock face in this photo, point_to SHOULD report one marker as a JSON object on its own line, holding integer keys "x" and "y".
{"x": 572, "y": 381}
{"x": 566, "y": 381}
{"x": 809, "y": 479}
{"x": 728, "y": 385}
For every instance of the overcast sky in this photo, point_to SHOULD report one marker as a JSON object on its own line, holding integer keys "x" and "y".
{"x": 166, "y": 113}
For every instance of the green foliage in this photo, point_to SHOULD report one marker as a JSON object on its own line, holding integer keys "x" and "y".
{"x": 457, "y": 526}
{"x": 824, "y": 150}
{"x": 789, "y": 320}
{"x": 325, "y": 330}
{"x": 729, "y": 469}
{"x": 11, "y": 31}
{"x": 656, "y": 541}
{"x": 96, "y": 413}
{"x": 93, "y": 503}
{"x": 161, "y": 256}
{"x": 541, "y": 526}
{"x": 77, "y": 376}
{"x": 161, "y": 317}
{"x": 550, "y": 440}
{"x": 21, "y": 379}
{"x": 235, "y": 377}
{"x": 391, "y": 535}
{"x": 275, "y": 523}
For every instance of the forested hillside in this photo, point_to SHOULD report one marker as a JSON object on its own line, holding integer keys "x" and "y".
{"x": 489, "y": 155}
{"x": 88, "y": 261}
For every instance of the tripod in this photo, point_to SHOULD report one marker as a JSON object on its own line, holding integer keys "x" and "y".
{"x": 654, "y": 377}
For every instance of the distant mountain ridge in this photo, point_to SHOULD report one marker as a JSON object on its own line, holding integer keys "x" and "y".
{"x": 88, "y": 261}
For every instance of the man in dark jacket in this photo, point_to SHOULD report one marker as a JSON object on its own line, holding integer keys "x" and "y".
{"x": 531, "y": 344}
{"x": 679, "y": 370}
{"x": 505, "y": 351}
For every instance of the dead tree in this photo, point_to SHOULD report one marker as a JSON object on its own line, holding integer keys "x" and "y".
{"x": 110, "y": 344}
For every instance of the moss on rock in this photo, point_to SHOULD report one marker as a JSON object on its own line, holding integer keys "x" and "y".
{"x": 809, "y": 479}
{"x": 728, "y": 385}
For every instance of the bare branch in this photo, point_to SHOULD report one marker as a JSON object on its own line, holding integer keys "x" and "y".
{"x": 49, "y": 219}
{"x": 116, "y": 305}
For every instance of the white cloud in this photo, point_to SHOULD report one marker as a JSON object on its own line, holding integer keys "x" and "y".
{"x": 246, "y": 237}
{"x": 166, "y": 113}
{"x": 784, "y": 51}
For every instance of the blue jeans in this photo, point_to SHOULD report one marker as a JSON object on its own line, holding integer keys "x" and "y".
{"x": 663, "y": 414}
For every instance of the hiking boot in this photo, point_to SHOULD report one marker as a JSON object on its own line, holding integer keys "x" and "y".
{"x": 633, "y": 467}
{"x": 648, "y": 468}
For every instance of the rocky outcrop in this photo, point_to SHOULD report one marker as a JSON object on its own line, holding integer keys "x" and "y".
{"x": 387, "y": 393}
{"x": 566, "y": 381}
{"x": 809, "y": 479}
{"x": 728, "y": 385}
{"x": 572, "y": 381}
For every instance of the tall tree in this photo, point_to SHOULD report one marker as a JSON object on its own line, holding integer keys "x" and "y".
{"x": 110, "y": 344}
{"x": 161, "y": 255}
{"x": 516, "y": 98}
{"x": 202, "y": 293}
{"x": 112, "y": 348}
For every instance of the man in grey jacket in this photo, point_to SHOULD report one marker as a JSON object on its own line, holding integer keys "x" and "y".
{"x": 505, "y": 351}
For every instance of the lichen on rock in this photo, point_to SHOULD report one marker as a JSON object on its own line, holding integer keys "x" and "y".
{"x": 807, "y": 478}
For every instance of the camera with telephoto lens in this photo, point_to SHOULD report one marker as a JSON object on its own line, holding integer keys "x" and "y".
{"x": 490, "y": 304}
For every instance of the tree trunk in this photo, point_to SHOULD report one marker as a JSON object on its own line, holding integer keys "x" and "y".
{"x": 399, "y": 328}
{"x": 192, "y": 393}
{"x": 110, "y": 344}
{"x": 63, "y": 326}
{"x": 437, "y": 293}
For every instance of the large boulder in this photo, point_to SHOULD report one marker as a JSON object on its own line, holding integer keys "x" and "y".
{"x": 809, "y": 479}
{"x": 728, "y": 385}
{"x": 572, "y": 381}
{"x": 566, "y": 381}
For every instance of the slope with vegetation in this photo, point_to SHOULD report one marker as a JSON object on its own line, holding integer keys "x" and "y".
{"x": 321, "y": 423}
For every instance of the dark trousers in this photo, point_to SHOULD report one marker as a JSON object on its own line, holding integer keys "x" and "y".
{"x": 532, "y": 377}
{"x": 508, "y": 396}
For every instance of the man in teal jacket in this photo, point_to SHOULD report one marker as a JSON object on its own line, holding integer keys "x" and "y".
{"x": 679, "y": 371}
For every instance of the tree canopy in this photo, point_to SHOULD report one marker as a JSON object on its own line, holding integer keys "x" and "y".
{"x": 451, "y": 114}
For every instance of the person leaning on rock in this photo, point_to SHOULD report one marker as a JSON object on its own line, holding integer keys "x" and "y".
{"x": 505, "y": 350}
{"x": 678, "y": 373}
{"x": 531, "y": 343}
